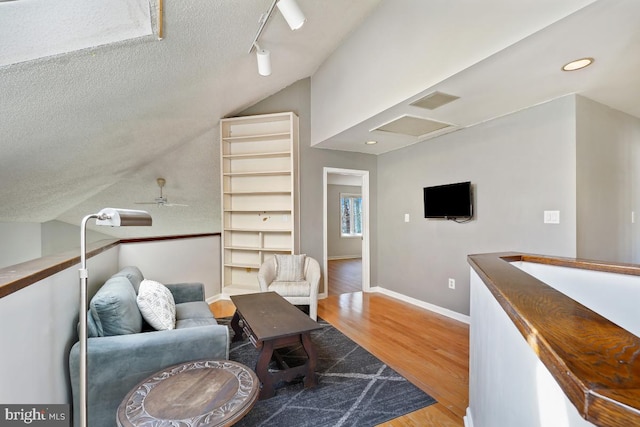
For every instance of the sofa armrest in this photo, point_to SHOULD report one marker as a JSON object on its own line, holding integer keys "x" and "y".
{"x": 116, "y": 364}
{"x": 186, "y": 292}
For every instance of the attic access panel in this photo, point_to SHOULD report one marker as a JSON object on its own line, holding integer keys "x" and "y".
{"x": 410, "y": 125}
{"x": 434, "y": 100}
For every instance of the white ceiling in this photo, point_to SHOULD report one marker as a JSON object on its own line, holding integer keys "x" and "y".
{"x": 514, "y": 77}
{"x": 94, "y": 128}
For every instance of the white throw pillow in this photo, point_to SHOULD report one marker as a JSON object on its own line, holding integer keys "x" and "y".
{"x": 157, "y": 305}
{"x": 289, "y": 268}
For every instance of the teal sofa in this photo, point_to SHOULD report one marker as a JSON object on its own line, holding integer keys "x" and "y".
{"x": 122, "y": 349}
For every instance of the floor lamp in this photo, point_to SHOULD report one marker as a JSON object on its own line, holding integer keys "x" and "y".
{"x": 109, "y": 217}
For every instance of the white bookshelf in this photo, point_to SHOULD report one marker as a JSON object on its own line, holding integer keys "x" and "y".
{"x": 260, "y": 208}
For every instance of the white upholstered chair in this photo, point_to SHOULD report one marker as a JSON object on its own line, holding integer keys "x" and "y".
{"x": 295, "y": 277}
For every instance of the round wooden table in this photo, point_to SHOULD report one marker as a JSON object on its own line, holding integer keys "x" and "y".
{"x": 200, "y": 393}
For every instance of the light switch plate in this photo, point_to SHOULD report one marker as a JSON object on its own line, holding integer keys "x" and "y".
{"x": 552, "y": 217}
{"x": 406, "y": 217}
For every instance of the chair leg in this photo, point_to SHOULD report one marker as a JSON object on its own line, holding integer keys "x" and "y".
{"x": 313, "y": 311}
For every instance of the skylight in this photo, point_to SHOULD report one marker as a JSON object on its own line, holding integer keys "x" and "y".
{"x": 31, "y": 29}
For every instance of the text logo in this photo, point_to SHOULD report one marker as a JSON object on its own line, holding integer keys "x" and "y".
{"x": 35, "y": 415}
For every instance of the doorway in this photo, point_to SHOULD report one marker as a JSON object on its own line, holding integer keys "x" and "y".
{"x": 346, "y": 239}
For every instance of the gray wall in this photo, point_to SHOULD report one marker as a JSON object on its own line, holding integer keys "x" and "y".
{"x": 24, "y": 241}
{"x": 338, "y": 246}
{"x": 19, "y": 242}
{"x": 520, "y": 165}
{"x": 58, "y": 236}
{"x": 296, "y": 98}
{"x": 608, "y": 152}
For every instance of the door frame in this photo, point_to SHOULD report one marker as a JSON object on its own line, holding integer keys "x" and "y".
{"x": 364, "y": 175}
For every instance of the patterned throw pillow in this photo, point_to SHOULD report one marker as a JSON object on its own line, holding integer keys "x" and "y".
{"x": 157, "y": 305}
{"x": 289, "y": 268}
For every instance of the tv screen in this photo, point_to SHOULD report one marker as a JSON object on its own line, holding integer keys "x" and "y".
{"x": 448, "y": 201}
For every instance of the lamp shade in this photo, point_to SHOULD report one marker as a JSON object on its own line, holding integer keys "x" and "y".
{"x": 292, "y": 13}
{"x": 123, "y": 217}
{"x": 264, "y": 62}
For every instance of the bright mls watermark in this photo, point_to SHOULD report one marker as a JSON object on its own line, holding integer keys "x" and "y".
{"x": 35, "y": 415}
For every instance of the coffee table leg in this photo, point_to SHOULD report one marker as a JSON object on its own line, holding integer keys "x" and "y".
{"x": 310, "y": 379}
{"x": 262, "y": 370}
{"x": 235, "y": 325}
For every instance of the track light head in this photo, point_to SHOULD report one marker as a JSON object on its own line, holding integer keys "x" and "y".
{"x": 264, "y": 61}
{"x": 292, "y": 13}
{"x": 295, "y": 19}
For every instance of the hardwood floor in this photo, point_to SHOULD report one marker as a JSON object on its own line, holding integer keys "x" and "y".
{"x": 345, "y": 276}
{"x": 430, "y": 350}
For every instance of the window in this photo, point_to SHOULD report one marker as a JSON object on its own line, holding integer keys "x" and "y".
{"x": 41, "y": 28}
{"x": 350, "y": 215}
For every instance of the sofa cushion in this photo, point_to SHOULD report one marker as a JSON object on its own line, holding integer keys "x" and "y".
{"x": 114, "y": 310}
{"x": 289, "y": 268}
{"x": 193, "y": 310}
{"x": 156, "y": 304}
{"x": 133, "y": 274}
{"x": 192, "y": 323}
{"x": 291, "y": 289}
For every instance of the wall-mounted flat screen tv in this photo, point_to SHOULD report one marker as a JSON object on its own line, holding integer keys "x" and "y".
{"x": 448, "y": 201}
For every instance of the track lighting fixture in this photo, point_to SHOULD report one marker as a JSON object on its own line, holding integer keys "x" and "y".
{"x": 295, "y": 19}
{"x": 264, "y": 61}
{"x": 292, "y": 13}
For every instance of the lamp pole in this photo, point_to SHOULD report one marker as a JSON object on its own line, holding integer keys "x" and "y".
{"x": 114, "y": 218}
{"x": 83, "y": 319}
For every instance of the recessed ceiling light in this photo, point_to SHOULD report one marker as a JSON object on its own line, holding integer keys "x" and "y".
{"x": 372, "y": 142}
{"x": 578, "y": 64}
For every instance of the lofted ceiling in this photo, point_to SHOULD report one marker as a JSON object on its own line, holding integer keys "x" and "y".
{"x": 95, "y": 127}
{"x": 507, "y": 78}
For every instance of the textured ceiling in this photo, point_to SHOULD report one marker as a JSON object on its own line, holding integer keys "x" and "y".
{"x": 94, "y": 128}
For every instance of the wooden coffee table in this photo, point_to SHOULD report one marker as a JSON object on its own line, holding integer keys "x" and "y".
{"x": 271, "y": 322}
{"x": 200, "y": 393}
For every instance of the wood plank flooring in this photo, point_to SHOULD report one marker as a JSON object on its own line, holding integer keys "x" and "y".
{"x": 430, "y": 350}
{"x": 345, "y": 275}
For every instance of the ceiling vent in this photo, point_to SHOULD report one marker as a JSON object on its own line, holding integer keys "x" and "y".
{"x": 434, "y": 100}
{"x": 414, "y": 126}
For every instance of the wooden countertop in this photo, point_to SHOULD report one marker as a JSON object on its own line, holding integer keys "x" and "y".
{"x": 594, "y": 361}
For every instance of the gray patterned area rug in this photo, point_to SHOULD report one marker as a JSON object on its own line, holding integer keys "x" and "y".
{"x": 354, "y": 387}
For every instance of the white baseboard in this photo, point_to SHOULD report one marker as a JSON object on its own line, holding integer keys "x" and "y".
{"x": 219, "y": 297}
{"x": 337, "y": 257}
{"x": 468, "y": 419}
{"x": 431, "y": 307}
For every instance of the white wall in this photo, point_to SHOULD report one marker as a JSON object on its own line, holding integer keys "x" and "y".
{"x": 508, "y": 384}
{"x": 520, "y": 165}
{"x": 177, "y": 261}
{"x": 37, "y": 329}
{"x": 613, "y": 296}
{"x": 608, "y": 155}
{"x": 19, "y": 242}
{"x": 38, "y": 323}
{"x": 399, "y": 52}
{"x": 338, "y": 246}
